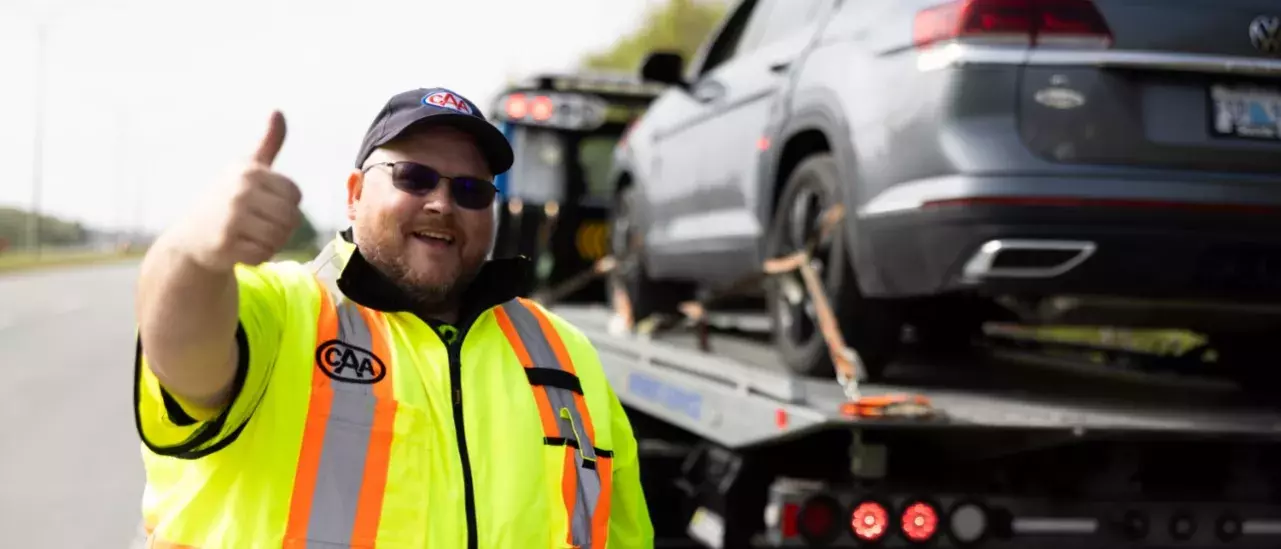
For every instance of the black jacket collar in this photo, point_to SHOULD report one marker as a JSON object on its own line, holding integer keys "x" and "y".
{"x": 499, "y": 281}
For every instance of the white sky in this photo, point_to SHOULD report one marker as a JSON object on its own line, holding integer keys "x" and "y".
{"x": 150, "y": 101}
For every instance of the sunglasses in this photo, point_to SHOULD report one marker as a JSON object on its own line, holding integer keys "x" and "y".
{"x": 414, "y": 178}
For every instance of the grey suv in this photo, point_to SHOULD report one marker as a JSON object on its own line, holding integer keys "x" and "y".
{"x": 1114, "y": 162}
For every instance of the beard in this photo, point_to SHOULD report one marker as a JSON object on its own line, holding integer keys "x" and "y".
{"x": 429, "y": 292}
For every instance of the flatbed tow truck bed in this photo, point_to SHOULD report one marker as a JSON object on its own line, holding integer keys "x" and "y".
{"x": 734, "y": 394}
{"x": 737, "y": 400}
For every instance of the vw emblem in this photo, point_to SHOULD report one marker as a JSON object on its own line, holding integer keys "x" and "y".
{"x": 1265, "y": 33}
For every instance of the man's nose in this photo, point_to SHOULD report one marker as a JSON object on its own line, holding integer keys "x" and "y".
{"x": 439, "y": 200}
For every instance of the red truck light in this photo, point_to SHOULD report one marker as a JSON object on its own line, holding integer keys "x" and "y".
{"x": 542, "y": 108}
{"x": 920, "y": 521}
{"x": 517, "y": 106}
{"x": 870, "y": 521}
{"x": 790, "y": 515}
{"x": 1029, "y": 22}
{"x": 818, "y": 519}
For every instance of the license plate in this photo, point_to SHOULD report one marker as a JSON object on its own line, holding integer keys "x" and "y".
{"x": 707, "y": 527}
{"x": 1246, "y": 111}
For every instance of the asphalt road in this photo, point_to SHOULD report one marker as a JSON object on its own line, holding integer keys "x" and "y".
{"x": 70, "y": 474}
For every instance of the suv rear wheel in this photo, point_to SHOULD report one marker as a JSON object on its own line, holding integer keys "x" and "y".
{"x": 871, "y": 327}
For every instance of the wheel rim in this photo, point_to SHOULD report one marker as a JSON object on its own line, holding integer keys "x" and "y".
{"x": 798, "y": 317}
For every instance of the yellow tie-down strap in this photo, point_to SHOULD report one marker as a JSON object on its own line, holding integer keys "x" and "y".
{"x": 849, "y": 366}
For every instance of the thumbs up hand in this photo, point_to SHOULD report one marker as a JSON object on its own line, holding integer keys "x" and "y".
{"x": 250, "y": 219}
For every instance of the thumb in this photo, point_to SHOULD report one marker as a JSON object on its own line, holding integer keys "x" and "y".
{"x": 273, "y": 141}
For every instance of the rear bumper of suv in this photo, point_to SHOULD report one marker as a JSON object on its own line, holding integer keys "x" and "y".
{"x": 1164, "y": 246}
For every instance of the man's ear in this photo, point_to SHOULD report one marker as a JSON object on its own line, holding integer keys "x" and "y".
{"x": 355, "y": 186}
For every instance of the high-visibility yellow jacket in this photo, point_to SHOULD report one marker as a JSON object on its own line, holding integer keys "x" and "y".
{"x": 355, "y": 424}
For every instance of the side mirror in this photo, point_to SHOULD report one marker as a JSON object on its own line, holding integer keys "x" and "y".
{"x": 664, "y": 67}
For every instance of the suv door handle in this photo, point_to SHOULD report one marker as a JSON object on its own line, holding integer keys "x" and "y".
{"x": 780, "y": 66}
{"x": 709, "y": 91}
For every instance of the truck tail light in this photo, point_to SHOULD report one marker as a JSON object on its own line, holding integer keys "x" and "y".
{"x": 542, "y": 108}
{"x": 791, "y": 512}
{"x": 570, "y": 111}
{"x": 818, "y": 519}
{"x": 517, "y": 106}
{"x": 920, "y": 521}
{"x": 1073, "y": 23}
{"x": 870, "y": 521}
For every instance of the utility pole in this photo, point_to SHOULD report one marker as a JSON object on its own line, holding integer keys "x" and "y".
{"x": 123, "y": 223}
{"x": 37, "y": 168}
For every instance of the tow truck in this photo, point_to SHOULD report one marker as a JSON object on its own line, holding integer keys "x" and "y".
{"x": 554, "y": 201}
{"x": 1009, "y": 446}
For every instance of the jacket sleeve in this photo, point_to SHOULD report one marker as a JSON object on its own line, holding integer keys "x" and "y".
{"x": 629, "y": 523}
{"x": 168, "y": 426}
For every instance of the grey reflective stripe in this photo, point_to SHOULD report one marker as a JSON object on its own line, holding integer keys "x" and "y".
{"x": 562, "y": 400}
{"x": 327, "y": 265}
{"x": 347, "y": 433}
{"x": 568, "y": 419}
{"x": 585, "y": 503}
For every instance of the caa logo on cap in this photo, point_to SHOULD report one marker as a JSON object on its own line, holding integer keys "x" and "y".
{"x": 446, "y": 100}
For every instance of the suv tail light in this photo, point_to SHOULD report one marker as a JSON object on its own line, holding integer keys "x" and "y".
{"x": 1024, "y": 22}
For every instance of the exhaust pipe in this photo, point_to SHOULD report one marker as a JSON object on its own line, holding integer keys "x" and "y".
{"x": 1027, "y": 258}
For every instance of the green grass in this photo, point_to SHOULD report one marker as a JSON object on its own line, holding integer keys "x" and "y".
{"x": 11, "y": 262}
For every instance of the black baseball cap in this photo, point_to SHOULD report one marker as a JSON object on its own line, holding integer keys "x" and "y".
{"x": 425, "y": 107}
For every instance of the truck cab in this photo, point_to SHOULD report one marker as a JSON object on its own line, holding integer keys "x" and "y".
{"x": 554, "y": 202}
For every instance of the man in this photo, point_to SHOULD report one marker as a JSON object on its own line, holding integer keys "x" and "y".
{"x": 395, "y": 392}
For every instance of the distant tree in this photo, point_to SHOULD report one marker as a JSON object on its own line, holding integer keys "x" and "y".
{"x": 15, "y": 227}
{"x": 304, "y": 238}
{"x": 678, "y": 25}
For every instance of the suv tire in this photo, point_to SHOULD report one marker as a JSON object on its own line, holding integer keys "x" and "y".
{"x": 873, "y": 328}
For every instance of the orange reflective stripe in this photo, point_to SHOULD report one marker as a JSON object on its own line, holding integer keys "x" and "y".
{"x": 585, "y": 487}
{"x": 313, "y": 436}
{"x": 545, "y": 412}
{"x": 342, "y": 466}
{"x": 600, "y": 519}
{"x": 569, "y": 493}
{"x": 370, "y": 504}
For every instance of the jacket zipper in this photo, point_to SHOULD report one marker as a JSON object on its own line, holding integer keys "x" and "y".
{"x": 456, "y": 385}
